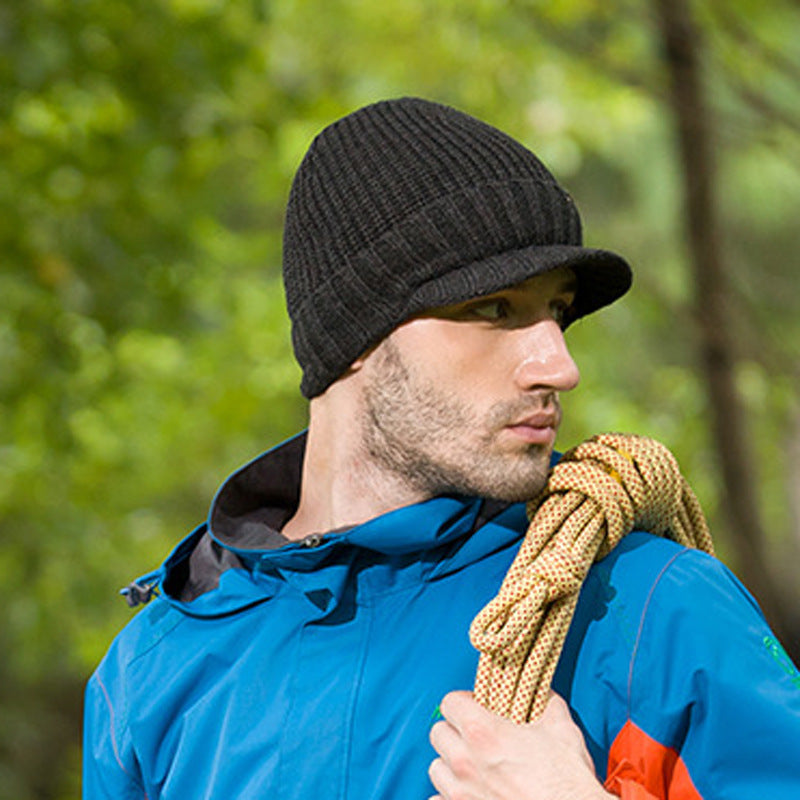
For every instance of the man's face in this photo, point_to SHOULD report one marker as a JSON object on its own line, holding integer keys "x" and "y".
{"x": 464, "y": 399}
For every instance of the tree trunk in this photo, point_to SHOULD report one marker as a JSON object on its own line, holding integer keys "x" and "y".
{"x": 681, "y": 46}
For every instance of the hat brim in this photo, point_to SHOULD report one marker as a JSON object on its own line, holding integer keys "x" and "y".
{"x": 603, "y": 277}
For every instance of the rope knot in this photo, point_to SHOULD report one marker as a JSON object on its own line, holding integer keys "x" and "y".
{"x": 635, "y": 482}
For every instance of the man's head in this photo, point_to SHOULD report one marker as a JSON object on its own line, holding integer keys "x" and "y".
{"x": 407, "y": 205}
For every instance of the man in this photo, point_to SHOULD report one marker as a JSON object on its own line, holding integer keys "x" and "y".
{"x": 302, "y": 639}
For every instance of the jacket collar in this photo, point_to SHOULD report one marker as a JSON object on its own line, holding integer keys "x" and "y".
{"x": 254, "y": 503}
{"x": 240, "y": 548}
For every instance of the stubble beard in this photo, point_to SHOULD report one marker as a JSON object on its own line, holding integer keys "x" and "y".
{"x": 436, "y": 445}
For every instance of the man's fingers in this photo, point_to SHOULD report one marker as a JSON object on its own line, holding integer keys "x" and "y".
{"x": 444, "y": 738}
{"x": 462, "y": 711}
{"x": 441, "y": 776}
{"x": 485, "y": 755}
{"x": 556, "y": 715}
{"x": 466, "y": 715}
{"x": 556, "y": 709}
{"x": 557, "y": 720}
{"x": 454, "y": 702}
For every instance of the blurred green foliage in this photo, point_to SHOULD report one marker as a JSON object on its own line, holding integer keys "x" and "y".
{"x": 147, "y": 148}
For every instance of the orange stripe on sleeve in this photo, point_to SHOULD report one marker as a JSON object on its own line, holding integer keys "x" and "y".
{"x": 640, "y": 768}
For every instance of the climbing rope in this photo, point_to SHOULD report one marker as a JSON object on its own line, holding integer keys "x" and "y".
{"x": 599, "y": 492}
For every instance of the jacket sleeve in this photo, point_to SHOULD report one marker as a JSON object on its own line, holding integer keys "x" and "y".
{"x": 110, "y": 768}
{"x": 713, "y": 699}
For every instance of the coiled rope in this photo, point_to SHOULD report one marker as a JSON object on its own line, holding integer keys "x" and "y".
{"x": 599, "y": 492}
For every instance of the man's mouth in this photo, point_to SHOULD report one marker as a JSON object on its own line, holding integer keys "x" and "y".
{"x": 540, "y": 428}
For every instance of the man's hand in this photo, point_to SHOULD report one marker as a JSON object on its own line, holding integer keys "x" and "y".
{"x": 483, "y": 756}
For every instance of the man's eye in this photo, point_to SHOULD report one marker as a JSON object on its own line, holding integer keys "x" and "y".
{"x": 561, "y": 312}
{"x": 491, "y": 309}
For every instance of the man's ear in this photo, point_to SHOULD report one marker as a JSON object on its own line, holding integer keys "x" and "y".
{"x": 361, "y": 360}
{"x": 353, "y": 369}
{"x": 356, "y": 365}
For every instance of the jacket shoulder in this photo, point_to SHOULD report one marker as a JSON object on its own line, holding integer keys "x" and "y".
{"x": 141, "y": 634}
{"x": 631, "y": 607}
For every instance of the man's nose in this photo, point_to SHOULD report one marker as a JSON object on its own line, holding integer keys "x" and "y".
{"x": 544, "y": 359}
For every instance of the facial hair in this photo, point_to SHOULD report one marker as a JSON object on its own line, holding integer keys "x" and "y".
{"x": 436, "y": 444}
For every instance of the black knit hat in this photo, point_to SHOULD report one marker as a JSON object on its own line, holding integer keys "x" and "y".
{"x": 407, "y": 205}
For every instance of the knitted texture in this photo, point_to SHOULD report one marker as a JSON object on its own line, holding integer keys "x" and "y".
{"x": 598, "y": 493}
{"x": 407, "y": 205}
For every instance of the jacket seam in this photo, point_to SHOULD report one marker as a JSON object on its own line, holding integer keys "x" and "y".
{"x": 354, "y": 701}
{"x": 212, "y": 616}
{"x": 113, "y": 734}
{"x": 685, "y": 552}
{"x": 156, "y": 640}
{"x": 640, "y": 631}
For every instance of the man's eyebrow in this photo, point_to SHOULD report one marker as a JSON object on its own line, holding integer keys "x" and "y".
{"x": 569, "y": 284}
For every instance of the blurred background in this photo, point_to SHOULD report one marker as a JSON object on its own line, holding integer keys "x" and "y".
{"x": 147, "y": 150}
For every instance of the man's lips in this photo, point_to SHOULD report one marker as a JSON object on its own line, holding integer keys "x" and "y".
{"x": 536, "y": 429}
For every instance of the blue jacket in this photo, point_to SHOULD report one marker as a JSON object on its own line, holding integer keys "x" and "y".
{"x": 315, "y": 671}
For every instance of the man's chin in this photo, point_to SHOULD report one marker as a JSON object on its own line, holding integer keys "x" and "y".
{"x": 523, "y": 496}
{"x": 509, "y": 490}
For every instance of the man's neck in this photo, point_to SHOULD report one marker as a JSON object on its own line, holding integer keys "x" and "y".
{"x": 341, "y": 486}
